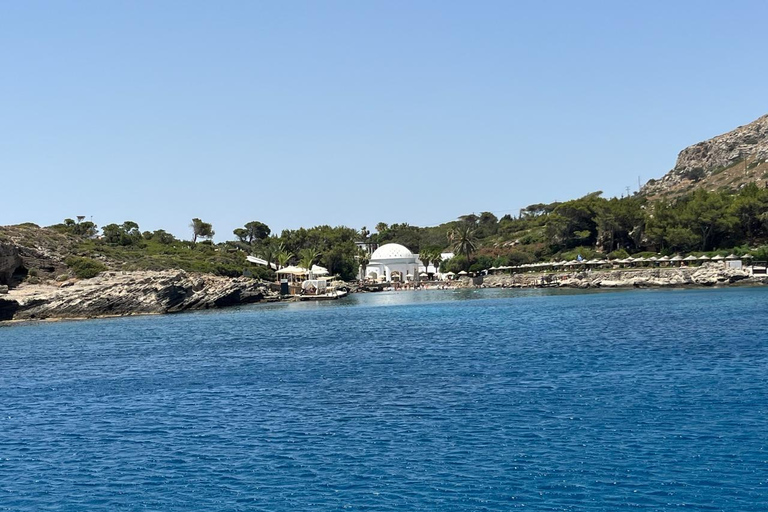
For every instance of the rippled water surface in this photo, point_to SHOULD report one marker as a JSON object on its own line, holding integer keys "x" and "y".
{"x": 445, "y": 400}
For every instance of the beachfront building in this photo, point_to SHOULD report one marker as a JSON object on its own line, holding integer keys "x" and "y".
{"x": 393, "y": 263}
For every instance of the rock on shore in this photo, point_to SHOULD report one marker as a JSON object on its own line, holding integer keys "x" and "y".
{"x": 129, "y": 293}
{"x": 708, "y": 275}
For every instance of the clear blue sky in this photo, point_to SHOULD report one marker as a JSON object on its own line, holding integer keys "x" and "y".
{"x": 323, "y": 112}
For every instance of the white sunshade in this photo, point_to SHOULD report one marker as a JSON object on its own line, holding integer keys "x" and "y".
{"x": 291, "y": 269}
{"x": 319, "y": 271}
{"x": 664, "y": 258}
{"x": 259, "y": 261}
{"x": 703, "y": 257}
{"x": 653, "y": 258}
{"x": 463, "y": 273}
{"x": 731, "y": 257}
{"x": 690, "y": 258}
{"x": 676, "y": 257}
{"x": 717, "y": 258}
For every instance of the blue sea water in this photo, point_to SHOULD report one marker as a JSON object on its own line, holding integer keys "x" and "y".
{"x": 443, "y": 400}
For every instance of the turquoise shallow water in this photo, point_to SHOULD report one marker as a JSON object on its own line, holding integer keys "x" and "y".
{"x": 445, "y": 400}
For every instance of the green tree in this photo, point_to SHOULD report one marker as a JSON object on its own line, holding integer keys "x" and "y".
{"x": 256, "y": 230}
{"x": 283, "y": 257}
{"x": 308, "y": 257}
{"x": 201, "y": 229}
{"x": 463, "y": 240}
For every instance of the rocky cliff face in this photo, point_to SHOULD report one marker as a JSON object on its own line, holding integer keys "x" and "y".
{"x": 10, "y": 261}
{"x": 129, "y": 293}
{"x": 729, "y": 160}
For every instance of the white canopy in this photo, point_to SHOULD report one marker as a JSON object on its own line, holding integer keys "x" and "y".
{"x": 319, "y": 271}
{"x": 259, "y": 261}
{"x": 293, "y": 270}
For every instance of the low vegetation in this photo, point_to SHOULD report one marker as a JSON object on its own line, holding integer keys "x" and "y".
{"x": 591, "y": 226}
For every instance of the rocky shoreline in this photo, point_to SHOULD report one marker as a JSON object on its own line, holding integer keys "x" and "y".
{"x": 129, "y": 293}
{"x": 711, "y": 274}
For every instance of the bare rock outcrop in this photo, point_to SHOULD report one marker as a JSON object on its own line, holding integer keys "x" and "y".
{"x": 10, "y": 261}
{"x": 129, "y": 293}
{"x": 708, "y": 275}
{"x": 739, "y": 156}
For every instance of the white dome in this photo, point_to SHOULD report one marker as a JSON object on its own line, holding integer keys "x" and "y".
{"x": 390, "y": 252}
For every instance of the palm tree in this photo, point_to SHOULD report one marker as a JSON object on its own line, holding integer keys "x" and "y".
{"x": 362, "y": 259}
{"x": 268, "y": 253}
{"x": 437, "y": 257}
{"x": 463, "y": 240}
{"x": 307, "y": 257}
{"x": 283, "y": 257}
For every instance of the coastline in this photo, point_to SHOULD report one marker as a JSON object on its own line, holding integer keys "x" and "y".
{"x": 708, "y": 275}
{"x": 121, "y": 294}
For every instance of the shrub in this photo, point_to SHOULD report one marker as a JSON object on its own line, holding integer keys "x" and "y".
{"x": 85, "y": 268}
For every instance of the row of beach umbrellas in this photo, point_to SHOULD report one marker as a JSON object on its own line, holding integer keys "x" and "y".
{"x": 652, "y": 259}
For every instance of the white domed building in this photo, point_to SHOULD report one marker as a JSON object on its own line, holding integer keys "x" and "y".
{"x": 393, "y": 263}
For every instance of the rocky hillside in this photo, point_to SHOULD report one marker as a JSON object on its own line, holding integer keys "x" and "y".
{"x": 726, "y": 161}
{"x": 28, "y": 246}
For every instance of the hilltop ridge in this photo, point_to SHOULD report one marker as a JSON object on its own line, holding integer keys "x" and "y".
{"x": 727, "y": 161}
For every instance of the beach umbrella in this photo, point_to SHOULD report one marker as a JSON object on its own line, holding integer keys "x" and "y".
{"x": 747, "y": 257}
{"x": 676, "y": 257}
{"x": 463, "y": 273}
{"x": 319, "y": 271}
{"x": 704, "y": 257}
{"x": 664, "y": 258}
{"x": 690, "y": 258}
{"x": 717, "y": 258}
{"x": 423, "y": 274}
{"x": 293, "y": 270}
{"x": 653, "y": 258}
{"x": 731, "y": 257}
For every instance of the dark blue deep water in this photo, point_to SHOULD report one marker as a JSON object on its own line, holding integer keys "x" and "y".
{"x": 445, "y": 400}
